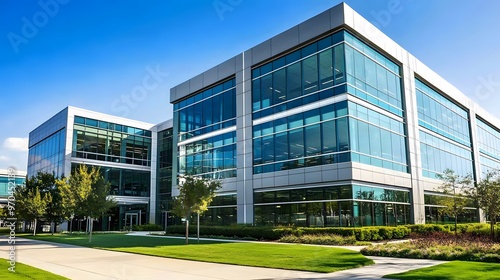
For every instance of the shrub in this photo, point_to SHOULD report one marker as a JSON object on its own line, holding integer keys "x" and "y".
{"x": 321, "y": 239}
{"x": 270, "y": 233}
{"x": 256, "y": 233}
{"x": 427, "y": 228}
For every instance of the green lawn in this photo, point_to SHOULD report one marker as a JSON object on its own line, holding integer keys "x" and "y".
{"x": 23, "y": 271}
{"x": 286, "y": 256}
{"x": 455, "y": 270}
{"x": 4, "y": 231}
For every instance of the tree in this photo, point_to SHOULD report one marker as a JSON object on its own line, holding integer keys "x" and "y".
{"x": 486, "y": 195}
{"x": 68, "y": 201}
{"x": 31, "y": 204}
{"x": 97, "y": 202}
{"x": 3, "y": 213}
{"x": 74, "y": 191}
{"x": 46, "y": 183}
{"x": 195, "y": 194}
{"x": 454, "y": 200}
{"x": 85, "y": 193}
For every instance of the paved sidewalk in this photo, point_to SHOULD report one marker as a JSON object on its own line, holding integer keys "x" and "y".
{"x": 85, "y": 263}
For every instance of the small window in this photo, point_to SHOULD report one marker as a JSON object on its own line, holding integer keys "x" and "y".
{"x": 91, "y": 122}
{"x": 79, "y": 120}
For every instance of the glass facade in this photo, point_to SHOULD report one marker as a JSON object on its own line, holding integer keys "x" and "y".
{"x": 438, "y": 154}
{"x": 221, "y": 212}
{"x": 340, "y": 132}
{"x": 439, "y": 115}
{"x": 488, "y": 139}
{"x": 334, "y": 65}
{"x": 4, "y": 183}
{"x": 48, "y": 155}
{"x": 345, "y": 205}
{"x": 315, "y": 137}
{"x": 125, "y": 182}
{"x": 210, "y": 111}
{"x": 433, "y": 215}
{"x": 372, "y": 77}
{"x": 212, "y": 157}
{"x": 164, "y": 171}
{"x": 207, "y": 111}
{"x": 377, "y": 139}
{"x": 105, "y": 141}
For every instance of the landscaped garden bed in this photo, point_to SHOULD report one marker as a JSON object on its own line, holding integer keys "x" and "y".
{"x": 441, "y": 246}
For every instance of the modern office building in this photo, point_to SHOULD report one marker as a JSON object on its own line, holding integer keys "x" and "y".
{"x": 330, "y": 123}
{"x": 10, "y": 177}
{"x": 124, "y": 150}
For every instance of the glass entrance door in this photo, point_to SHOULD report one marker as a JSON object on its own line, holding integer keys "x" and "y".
{"x": 131, "y": 219}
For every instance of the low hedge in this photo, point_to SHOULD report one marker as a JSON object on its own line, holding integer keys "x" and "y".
{"x": 371, "y": 233}
{"x": 364, "y": 233}
{"x": 320, "y": 239}
{"x": 275, "y": 233}
{"x": 259, "y": 233}
{"x": 479, "y": 229}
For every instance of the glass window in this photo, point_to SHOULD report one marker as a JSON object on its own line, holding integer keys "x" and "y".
{"x": 256, "y": 96}
{"x": 294, "y": 81}
{"x": 310, "y": 74}
{"x": 326, "y": 68}
{"x": 339, "y": 64}
{"x": 79, "y": 120}
{"x": 281, "y": 146}
{"x": 91, "y": 122}
{"x": 279, "y": 86}
{"x": 266, "y": 90}
{"x": 296, "y": 140}
{"x": 313, "y": 140}
{"x": 329, "y": 136}
{"x": 342, "y": 134}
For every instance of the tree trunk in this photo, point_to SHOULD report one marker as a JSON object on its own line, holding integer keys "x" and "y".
{"x": 492, "y": 228}
{"x": 52, "y": 227}
{"x": 90, "y": 230}
{"x": 71, "y": 226}
{"x": 456, "y": 225}
{"x": 34, "y": 229}
{"x": 187, "y": 231}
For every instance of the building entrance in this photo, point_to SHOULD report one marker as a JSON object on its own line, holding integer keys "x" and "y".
{"x": 132, "y": 219}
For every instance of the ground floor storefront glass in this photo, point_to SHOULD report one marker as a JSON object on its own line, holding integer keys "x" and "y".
{"x": 333, "y": 206}
{"x": 435, "y": 215}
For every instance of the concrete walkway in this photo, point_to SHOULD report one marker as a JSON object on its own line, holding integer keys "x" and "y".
{"x": 77, "y": 262}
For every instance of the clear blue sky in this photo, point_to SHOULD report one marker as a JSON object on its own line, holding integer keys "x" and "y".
{"x": 90, "y": 53}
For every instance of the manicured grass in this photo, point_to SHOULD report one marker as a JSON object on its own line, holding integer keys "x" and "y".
{"x": 285, "y": 256}
{"x": 455, "y": 270}
{"x": 23, "y": 271}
